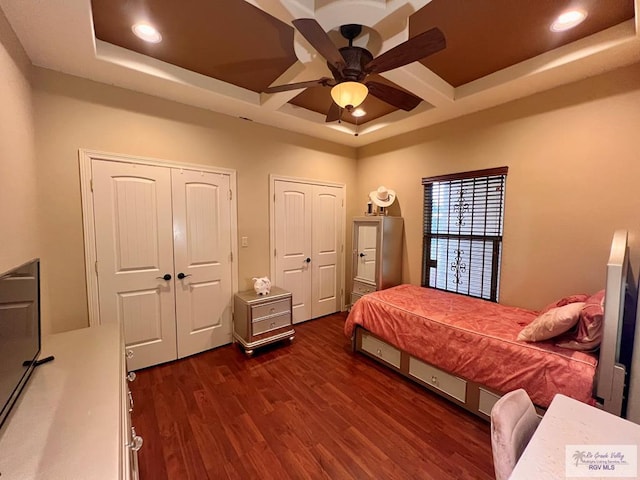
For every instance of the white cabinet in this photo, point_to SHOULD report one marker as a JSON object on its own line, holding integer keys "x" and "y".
{"x": 377, "y": 254}
{"x": 72, "y": 419}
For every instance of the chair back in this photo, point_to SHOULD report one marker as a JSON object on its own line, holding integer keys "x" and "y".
{"x": 513, "y": 422}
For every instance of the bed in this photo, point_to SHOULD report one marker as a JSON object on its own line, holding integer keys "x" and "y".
{"x": 466, "y": 349}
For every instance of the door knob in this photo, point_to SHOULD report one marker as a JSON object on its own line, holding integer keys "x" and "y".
{"x": 182, "y": 275}
{"x": 307, "y": 260}
{"x": 166, "y": 277}
{"x": 363, "y": 255}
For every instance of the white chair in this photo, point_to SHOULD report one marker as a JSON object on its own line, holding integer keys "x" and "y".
{"x": 513, "y": 422}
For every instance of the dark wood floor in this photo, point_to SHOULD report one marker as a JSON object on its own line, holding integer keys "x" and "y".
{"x": 312, "y": 409}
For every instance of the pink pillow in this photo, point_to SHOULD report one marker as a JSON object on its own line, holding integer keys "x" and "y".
{"x": 578, "y": 297}
{"x": 552, "y": 323}
{"x": 589, "y": 333}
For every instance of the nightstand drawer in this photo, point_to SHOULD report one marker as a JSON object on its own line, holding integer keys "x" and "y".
{"x": 270, "y": 309}
{"x": 271, "y": 323}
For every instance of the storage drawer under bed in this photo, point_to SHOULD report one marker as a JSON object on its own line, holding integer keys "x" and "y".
{"x": 468, "y": 394}
{"x": 436, "y": 378}
{"x": 486, "y": 401}
{"x": 380, "y": 349}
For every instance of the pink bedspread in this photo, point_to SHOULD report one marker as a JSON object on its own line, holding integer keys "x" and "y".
{"x": 474, "y": 339}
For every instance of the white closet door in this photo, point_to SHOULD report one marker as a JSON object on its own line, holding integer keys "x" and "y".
{"x": 202, "y": 241}
{"x": 326, "y": 248}
{"x": 366, "y": 250}
{"x": 293, "y": 204}
{"x": 134, "y": 244}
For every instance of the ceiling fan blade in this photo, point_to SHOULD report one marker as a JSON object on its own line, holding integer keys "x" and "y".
{"x": 334, "y": 113}
{"x": 393, "y": 96}
{"x": 415, "y": 48}
{"x": 322, "y": 82}
{"x": 318, "y": 38}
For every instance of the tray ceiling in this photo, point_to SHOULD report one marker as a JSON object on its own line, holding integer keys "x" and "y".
{"x": 222, "y": 55}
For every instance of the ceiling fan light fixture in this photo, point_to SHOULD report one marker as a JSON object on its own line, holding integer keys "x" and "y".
{"x": 358, "y": 112}
{"x": 349, "y": 94}
{"x": 147, "y": 32}
{"x": 568, "y": 20}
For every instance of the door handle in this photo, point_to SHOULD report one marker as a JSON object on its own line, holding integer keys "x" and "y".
{"x": 307, "y": 260}
{"x": 182, "y": 275}
{"x": 363, "y": 255}
{"x": 165, "y": 277}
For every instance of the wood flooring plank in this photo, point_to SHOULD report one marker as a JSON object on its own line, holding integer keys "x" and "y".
{"x": 311, "y": 409}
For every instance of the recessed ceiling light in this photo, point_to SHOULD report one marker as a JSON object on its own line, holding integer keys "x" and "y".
{"x": 358, "y": 112}
{"x": 567, "y": 20}
{"x": 147, "y": 32}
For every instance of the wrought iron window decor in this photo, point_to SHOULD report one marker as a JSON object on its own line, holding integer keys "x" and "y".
{"x": 462, "y": 241}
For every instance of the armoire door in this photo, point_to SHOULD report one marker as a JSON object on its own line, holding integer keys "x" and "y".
{"x": 202, "y": 243}
{"x": 163, "y": 249}
{"x": 366, "y": 244}
{"x": 308, "y": 246}
{"x": 134, "y": 247}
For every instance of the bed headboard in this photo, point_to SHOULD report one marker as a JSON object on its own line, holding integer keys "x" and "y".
{"x": 616, "y": 347}
{"x": 633, "y": 403}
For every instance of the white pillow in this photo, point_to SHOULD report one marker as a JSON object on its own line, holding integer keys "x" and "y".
{"x": 551, "y": 323}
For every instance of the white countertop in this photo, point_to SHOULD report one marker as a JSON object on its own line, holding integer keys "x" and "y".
{"x": 66, "y": 424}
{"x": 570, "y": 422}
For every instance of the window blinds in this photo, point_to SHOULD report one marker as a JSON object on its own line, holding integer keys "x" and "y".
{"x": 463, "y": 216}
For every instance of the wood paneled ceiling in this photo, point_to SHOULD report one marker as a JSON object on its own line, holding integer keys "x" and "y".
{"x": 486, "y": 36}
{"x": 227, "y": 52}
{"x": 230, "y": 40}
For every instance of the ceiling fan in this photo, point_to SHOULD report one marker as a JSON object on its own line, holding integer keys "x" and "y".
{"x": 351, "y": 65}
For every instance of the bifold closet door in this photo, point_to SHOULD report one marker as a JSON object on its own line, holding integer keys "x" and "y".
{"x": 163, "y": 244}
{"x": 308, "y": 244}
{"x": 134, "y": 247}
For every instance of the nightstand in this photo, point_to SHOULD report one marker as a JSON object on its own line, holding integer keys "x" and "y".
{"x": 262, "y": 319}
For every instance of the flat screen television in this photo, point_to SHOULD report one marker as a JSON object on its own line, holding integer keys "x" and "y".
{"x": 19, "y": 331}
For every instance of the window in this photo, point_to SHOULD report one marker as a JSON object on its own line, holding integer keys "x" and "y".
{"x": 462, "y": 241}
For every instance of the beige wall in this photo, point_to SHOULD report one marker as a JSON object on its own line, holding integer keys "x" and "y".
{"x": 574, "y": 164}
{"x": 571, "y": 152}
{"x": 18, "y": 184}
{"x": 73, "y": 113}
